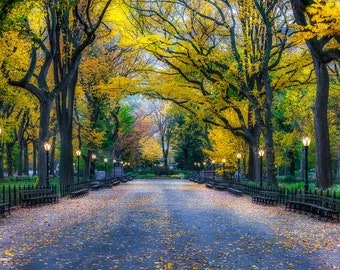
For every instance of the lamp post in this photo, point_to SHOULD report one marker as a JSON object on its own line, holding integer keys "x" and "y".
{"x": 306, "y": 142}
{"x": 223, "y": 164}
{"x": 238, "y": 166}
{"x": 47, "y": 147}
{"x": 93, "y": 157}
{"x": 261, "y": 153}
{"x": 212, "y": 167}
{"x": 114, "y": 167}
{"x": 105, "y": 161}
{"x": 78, "y": 152}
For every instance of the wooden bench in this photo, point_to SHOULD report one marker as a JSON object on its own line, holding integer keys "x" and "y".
{"x": 210, "y": 183}
{"x": 266, "y": 198}
{"x": 126, "y": 178}
{"x": 315, "y": 205}
{"x": 4, "y": 207}
{"x": 221, "y": 185}
{"x": 235, "y": 191}
{"x": 114, "y": 182}
{"x": 95, "y": 185}
{"x": 197, "y": 178}
{"x": 78, "y": 192}
{"x": 34, "y": 197}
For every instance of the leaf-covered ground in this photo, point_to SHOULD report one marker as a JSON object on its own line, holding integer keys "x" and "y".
{"x": 165, "y": 224}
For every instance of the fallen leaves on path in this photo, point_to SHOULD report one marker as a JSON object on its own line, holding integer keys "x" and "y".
{"x": 162, "y": 227}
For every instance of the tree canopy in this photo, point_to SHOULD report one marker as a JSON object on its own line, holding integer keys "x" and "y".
{"x": 236, "y": 77}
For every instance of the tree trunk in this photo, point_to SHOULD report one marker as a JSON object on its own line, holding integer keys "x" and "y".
{"x": 316, "y": 47}
{"x": 9, "y": 153}
{"x": 26, "y": 165}
{"x": 1, "y": 160}
{"x": 87, "y": 167}
{"x": 45, "y": 109}
{"x": 21, "y": 142}
{"x": 66, "y": 156}
{"x": 323, "y": 156}
{"x": 34, "y": 158}
{"x": 20, "y": 156}
{"x": 290, "y": 163}
{"x": 65, "y": 103}
{"x": 185, "y": 158}
{"x": 255, "y": 163}
{"x": 270, "y": 158}
{"x": 251, "y": 166}
{"x": 52, "y": 156}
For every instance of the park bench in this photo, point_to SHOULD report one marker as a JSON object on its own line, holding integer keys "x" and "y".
{"x": 77, "y": 192}
{"x": 266, "y": 198}
{"x": 34, "y": 197}
{"x": 210, "y": 183}
{"x": 221, "y": 185}
{"x": 315, "y": 205}
{"x": 126, "y": 178}
{"x": 114, "y": 182}
{"x": 95, "y": 185}
{"x": 197, "y": 178}
{"x": 4, "y": 207}
{"x": 108, "y": 183}
{"x": 235, "y": 191}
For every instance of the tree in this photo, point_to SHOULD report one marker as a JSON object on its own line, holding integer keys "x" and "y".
{"x": 188, "y": 140}
{"x": 320, "y": 22}
{"x": 158, "y": 111}
{"x": 227, "y": 52}
{"x": 56, "y": 48}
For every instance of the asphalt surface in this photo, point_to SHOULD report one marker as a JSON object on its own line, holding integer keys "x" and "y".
{"x": 150, "y": 224}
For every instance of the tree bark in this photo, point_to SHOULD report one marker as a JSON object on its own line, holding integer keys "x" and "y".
{"x": 1, "y": 160}
{"x": 65, "y": 119}
{"x": 316, "y": 47}
{"x": 45, "y": 110}
{"x": 9, "y": 154}
{"x": 323, "y": 151}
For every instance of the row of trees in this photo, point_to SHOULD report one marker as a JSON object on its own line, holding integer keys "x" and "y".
{"x": 234, "y": 58}
{"x": 237, "y": 69}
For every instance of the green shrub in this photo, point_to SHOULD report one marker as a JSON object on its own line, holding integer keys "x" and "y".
{"x": 289, "y": 178}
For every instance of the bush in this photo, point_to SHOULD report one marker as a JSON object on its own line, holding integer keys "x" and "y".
{"x": 291, "y": 186}
{"x": 5, "y": 180}
{"x": 289, "y": 178}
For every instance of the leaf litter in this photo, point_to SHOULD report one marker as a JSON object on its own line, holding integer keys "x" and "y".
{"x": 165, "y": 225}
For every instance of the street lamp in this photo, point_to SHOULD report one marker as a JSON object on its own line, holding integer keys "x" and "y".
{"x": 223, "y": 164}
{"x": 261, "y": 153}
{"x": 212, "y": 167}
{"x": 114, "y": 167}
{"x": 306, "y": 142}
{"x": 78, "y": 152}
{"x": 47, "y": 147}
{"x": 93, "y": 157}
{"x": 105, "y": 161}
{"x": 238, "y": 165}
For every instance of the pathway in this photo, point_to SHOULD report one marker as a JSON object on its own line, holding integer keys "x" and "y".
{"x": 165, "y": 224}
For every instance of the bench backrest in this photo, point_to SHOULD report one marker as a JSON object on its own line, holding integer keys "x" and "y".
{"x": 269, "y": 194}
{"x": 319, "y": 200}
{"x": 30, "y": 193}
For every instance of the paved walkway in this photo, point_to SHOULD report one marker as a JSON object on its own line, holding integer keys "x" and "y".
{"x": 165, "y": 224}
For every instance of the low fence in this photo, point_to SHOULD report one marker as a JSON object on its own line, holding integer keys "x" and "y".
{"x": 11, "y": 193}
{"x": 285, "y": 194}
